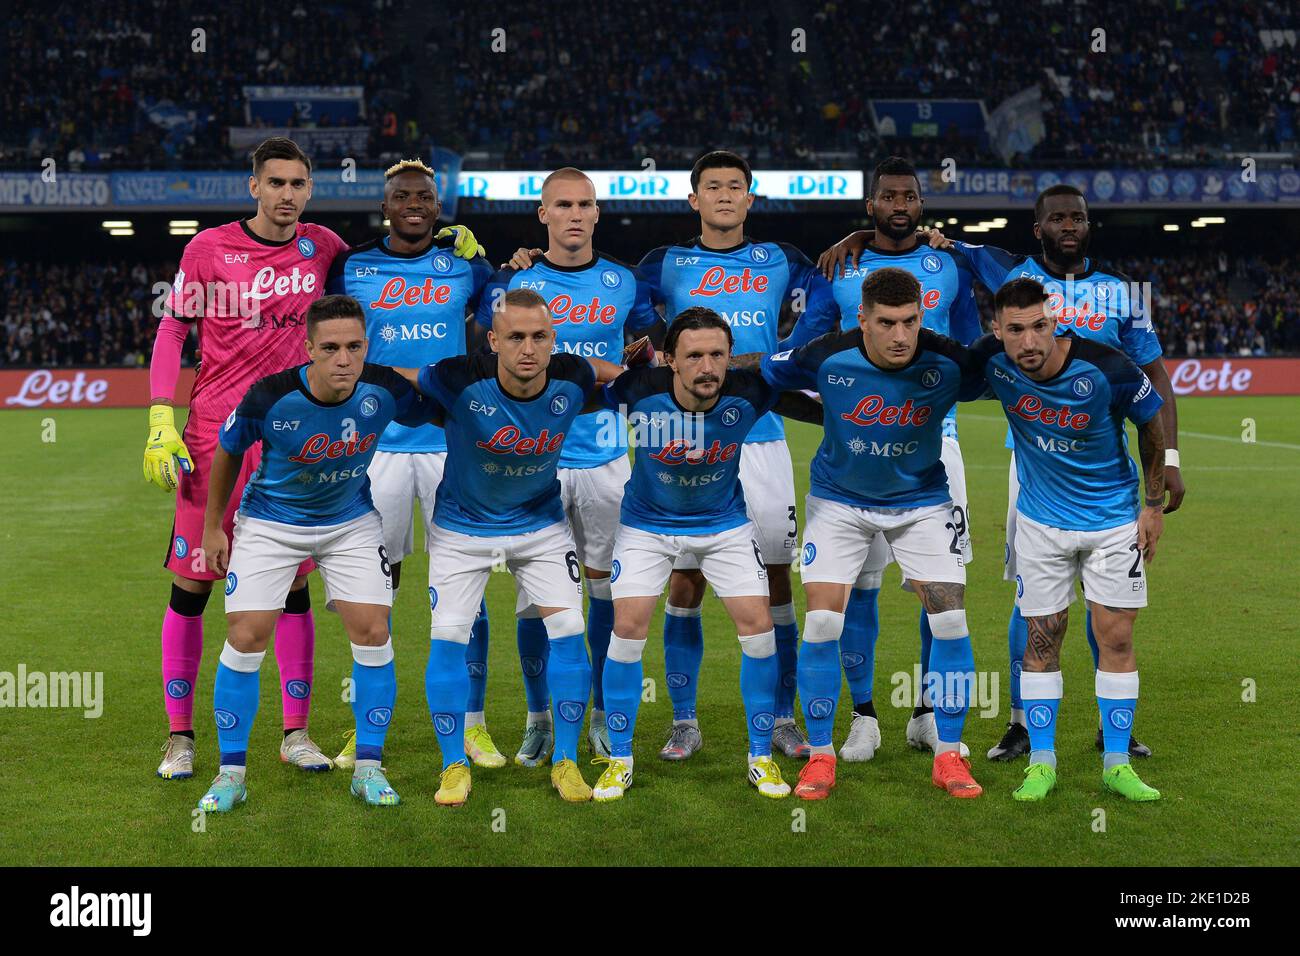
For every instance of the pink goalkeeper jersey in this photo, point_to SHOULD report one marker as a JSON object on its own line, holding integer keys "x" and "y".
{"x": 250, "y": 298}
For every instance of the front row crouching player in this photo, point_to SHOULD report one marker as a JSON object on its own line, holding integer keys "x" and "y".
{"x": 1066, "y": 398}
{"x": 318, "y": 424}
{"x": 505, "y": 415}
{"x": 688, "y": 424}
{"x": 886, "y": 388}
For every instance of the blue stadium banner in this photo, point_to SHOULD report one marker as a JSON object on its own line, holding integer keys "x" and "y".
{"x": 331, "y": 105}
{"x": 446, "y": 169}
{"x": 915, "y": 119}
{"x": 337, "y": 187}
{"x": 1116, "y": 187}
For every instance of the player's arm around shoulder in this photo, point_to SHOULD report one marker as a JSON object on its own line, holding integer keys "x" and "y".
{"x": 976, "y": 367}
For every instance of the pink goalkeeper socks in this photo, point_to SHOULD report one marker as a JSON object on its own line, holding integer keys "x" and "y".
{"x": 295, "y": 652}
{"x": 182, "y": 649}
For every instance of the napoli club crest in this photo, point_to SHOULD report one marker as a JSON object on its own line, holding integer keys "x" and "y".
{"x": 441, "y": 263}
{"x": 610, "y": 279}
{"x": 759, "y": 254}
{"x": 306, "y": 247}
{"x": 1082, "y": 387}
{"x": 559, "y": 404}
{"x": 931, "y": 377}
{"x": 731, "y": 416}
{"x": 369, "y": 405}
{"x": 931, "y": 263}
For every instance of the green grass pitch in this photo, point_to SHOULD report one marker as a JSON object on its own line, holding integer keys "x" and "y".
{"x": 84, "y": 591}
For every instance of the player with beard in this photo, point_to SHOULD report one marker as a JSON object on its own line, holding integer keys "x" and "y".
{"x": 895, "y": 206}
{"x": 1096, "y": 303}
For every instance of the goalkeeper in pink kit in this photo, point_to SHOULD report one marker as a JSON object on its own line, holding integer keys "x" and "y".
{"x": 247, "y": 286}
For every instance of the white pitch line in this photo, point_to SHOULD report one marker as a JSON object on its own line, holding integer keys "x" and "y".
{"x": 1181, "y": 433}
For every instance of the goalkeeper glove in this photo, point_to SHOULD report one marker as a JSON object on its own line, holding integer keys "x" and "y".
{"x": 165, "y": 455}
{"x": 466, "y": 246}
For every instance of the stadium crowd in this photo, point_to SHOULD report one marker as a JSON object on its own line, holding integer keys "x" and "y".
{"x": 78, "y": 83}
{"x": 595, "y": 84}
{"x": 101, "y": 313}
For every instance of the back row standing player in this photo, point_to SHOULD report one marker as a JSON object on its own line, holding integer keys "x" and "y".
{"x": 948, "y": 307}
{"x": 1095, "y": 302}
{"x": 595, "y": 302}
{"x": 419, "y": 302}
{"x": 247, "y": 285}
{"x": 747, "y": 282}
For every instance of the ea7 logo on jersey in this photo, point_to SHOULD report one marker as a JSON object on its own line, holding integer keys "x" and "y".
{"x": 364, "y": 271}
{"x": 481, "y": 409}
{"x": 1003, "y": 375}
{"x": 845, "y": 380}
{"x": 233, "y": 257}
{"x": 284, "y": 426}
{"x": 687, "y": 260}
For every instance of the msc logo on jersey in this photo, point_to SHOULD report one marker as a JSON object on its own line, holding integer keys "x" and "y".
{"x": 306, "y": 247}
{"x": 931, "y": 377}
{"x": 931, "y": 263}
{"x": 615, "y": 571}
{"x": 441, "y": 263}
{"x": 571, "y": 710}
{"x": 225, "y": 719}
{"x": 1121, "y": 719}
{"x": 379, "y": 716}
{"x": 820, "y": 707}
{"x": 182, "y": 547}
{"x": 1040, "y": 715}
{"x": 298, "y": 689}
{"x": 232, "y": 582}
{"x": 616, "y": 721}
{"x": 610, "y": 279}
{"x": 178, "y": 689}
{"x": 444, "y": 724}
{"x": 731, "y": 416}
{"x": 369, "y": 405}
{"x": 559, "y": 404}
{"x": 809, "y": 553}
{"x": 759, "y": 254}
{"x": 1082, "y": 387}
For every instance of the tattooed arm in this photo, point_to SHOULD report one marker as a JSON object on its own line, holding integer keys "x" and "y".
{"x": 1151, "y": 452}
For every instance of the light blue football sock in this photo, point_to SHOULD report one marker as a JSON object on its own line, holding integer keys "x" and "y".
{"x": 683, "y": 653}
{"x": 446, "y": 688}
{"x": 760, "y": 677}
{"x": 858, "y": 642}
{"x": 570, "y": 680}
{"x": 476, "y": 661}
{"x": 374, "y": 682}
{"x": 235, "y": 696}
{"x": 534, "y": 652}
{"x": 622, "y": 693}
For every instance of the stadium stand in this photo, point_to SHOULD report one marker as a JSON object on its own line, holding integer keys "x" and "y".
{"x": 597, "y": 84}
